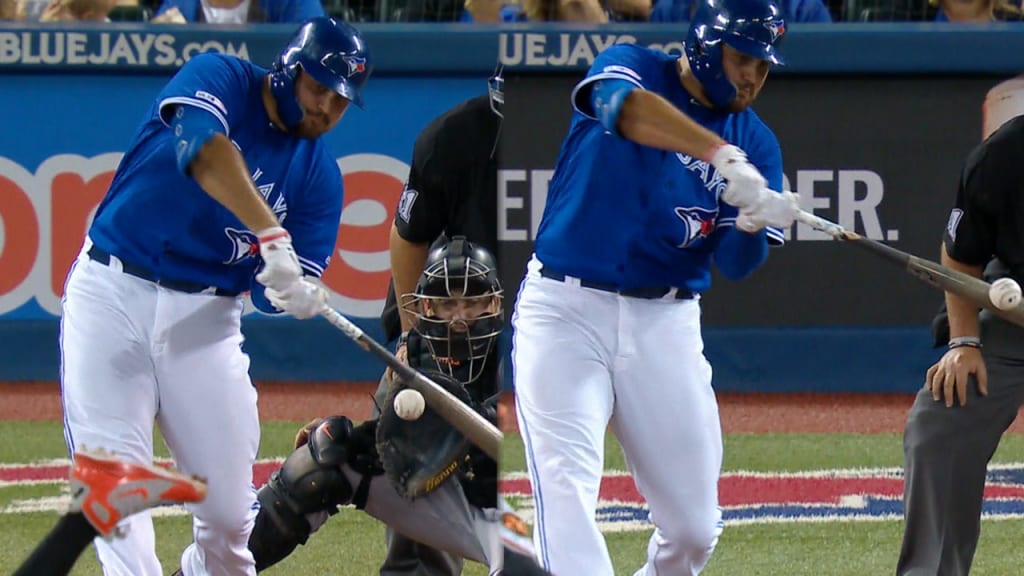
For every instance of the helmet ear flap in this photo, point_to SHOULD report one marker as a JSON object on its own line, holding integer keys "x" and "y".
{"x": 282, "y": 86}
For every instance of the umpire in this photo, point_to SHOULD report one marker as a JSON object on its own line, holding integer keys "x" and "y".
{"x": 973, "y": 393}
{"x": 451, "y": 191}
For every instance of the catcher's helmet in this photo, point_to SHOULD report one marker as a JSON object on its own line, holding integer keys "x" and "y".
{"x": 458, "y": 307}
{"x": 496, "y": 89}
{"x": 753, "y": 27}
{"x": 332, "y": 52}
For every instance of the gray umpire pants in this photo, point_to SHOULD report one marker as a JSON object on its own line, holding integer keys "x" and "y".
{"x": 946, "y": 453}
{"x": 407, "y": 557}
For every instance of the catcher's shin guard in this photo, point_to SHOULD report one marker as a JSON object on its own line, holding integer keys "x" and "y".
{"x": 310, "y": 481}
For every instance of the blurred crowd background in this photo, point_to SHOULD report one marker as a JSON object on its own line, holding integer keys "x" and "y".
{"x": 234, "y": 12}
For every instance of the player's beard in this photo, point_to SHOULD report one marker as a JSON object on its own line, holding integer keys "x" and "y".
{"x": 742, "y": 101}
{"x": 312, "y": 126}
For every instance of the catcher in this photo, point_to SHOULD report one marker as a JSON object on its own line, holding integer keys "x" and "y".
{"x": 421, "y": 477}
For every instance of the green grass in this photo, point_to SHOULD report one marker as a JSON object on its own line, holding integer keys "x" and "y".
{"x": 352, "y": 543}
{"x": 788, "y": 452}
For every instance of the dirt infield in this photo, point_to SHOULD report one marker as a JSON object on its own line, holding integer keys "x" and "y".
{"x": 741, "y": 413}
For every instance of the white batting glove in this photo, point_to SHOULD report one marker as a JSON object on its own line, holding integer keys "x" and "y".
{"x": 745, "y": 182}
{"x": 303, "y": 299}
{"x": 280, "y": 264}
{"x": 774, "y": 209}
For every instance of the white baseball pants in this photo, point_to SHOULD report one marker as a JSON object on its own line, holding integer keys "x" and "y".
{"x": 134, "y": 353}
{"x": 584, "y": 359}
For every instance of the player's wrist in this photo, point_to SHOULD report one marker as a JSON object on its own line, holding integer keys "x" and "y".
{"x": 271, "y": 234}
{"x": 964, "y": 342}
{"x": 720, "y": 152}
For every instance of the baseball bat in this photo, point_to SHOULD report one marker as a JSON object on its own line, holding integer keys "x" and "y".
{"x": 942, "y": 277}
{"x": 463, "y": 418}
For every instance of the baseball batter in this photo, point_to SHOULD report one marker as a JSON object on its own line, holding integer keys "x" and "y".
{"x": 226, "y": 188}
{"x": 665, "y": 170}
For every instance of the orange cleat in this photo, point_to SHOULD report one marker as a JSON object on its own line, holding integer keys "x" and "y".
{"x": 107, "y": 490}
{"x": 515, "y": 532}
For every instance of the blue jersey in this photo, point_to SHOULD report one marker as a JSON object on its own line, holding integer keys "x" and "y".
{"x": 155, "y": 217}
{"x": 635, "y": 216}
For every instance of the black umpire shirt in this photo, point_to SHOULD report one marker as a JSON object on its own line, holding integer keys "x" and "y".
{"x": 985, "y": 225}
{"x": 988, "y": 218}
{"x": 452, "y": 186}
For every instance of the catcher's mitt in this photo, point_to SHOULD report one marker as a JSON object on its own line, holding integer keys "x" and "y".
{"x": 418, "y": 455}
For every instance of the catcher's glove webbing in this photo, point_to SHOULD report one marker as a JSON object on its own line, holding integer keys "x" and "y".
{"x": 418, "y": 455}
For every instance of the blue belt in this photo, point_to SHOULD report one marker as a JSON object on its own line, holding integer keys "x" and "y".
{"x": 101, "y": 256}
{"x": 648, "y": 293}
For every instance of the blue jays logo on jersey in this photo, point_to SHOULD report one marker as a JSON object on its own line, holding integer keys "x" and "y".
{"x": 244, "y": 245}
{"x": 697, "y": 223}
{"x": 776, "y": 28}
{"x": 356, "y": 64}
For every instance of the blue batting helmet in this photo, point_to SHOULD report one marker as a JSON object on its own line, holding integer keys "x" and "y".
{"x": 753, "y": 27}
{"x": 332, "y": 52}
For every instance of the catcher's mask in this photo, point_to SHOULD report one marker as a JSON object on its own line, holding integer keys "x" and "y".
{"x": 496, "y": 90}
{"x": 457, "y": 307}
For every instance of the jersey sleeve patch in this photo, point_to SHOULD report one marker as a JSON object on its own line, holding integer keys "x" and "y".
{"x": 405, "y": 203}
{"x": 954, "y": 222}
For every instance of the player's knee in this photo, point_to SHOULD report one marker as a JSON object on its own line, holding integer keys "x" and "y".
{"x": 227, "y": 510}
{"x": 223, "y": 538}
{"x": 310, "y": 481}
{"x": 692, "y": 540}
{"x": 927, "y": 433}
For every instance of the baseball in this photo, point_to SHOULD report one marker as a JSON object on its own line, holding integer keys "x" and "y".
{"x": 1005, "y": 293}
{"x": 409, "y": 403}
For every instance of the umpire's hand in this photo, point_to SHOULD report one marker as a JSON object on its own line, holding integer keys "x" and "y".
{"x": 952, "y": 372}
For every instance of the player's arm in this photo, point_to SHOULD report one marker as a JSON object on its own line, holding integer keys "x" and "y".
{"x": 199, "y": 105}
{"x": 615, "y": 94}
{"x": 963, "y": 314}
{"x": 738, "y": 254}
{"x": 968, "y": 241}
{"x": 620, "y": 92}
{"x": 422, "y": 213}
{"x": 968, "y": 244}
{"x": 407, "y": 260}
{"x": 625, "y": 108}
{"x": 205, "y": 152}
{"x": 948, "y": 378}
